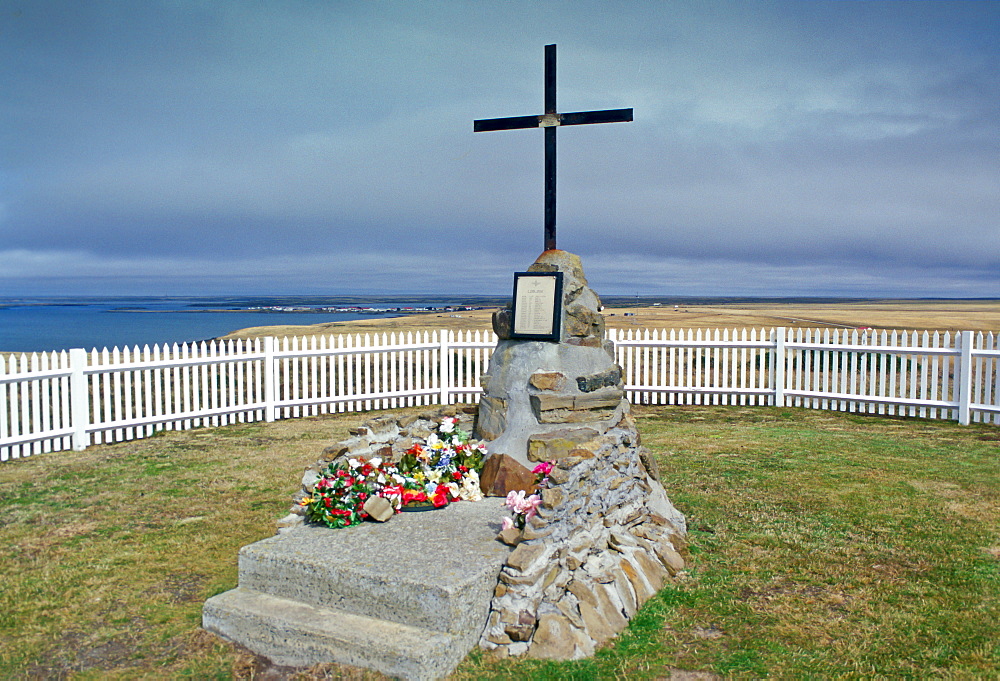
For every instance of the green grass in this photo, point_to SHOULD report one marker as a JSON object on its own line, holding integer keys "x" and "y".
{"x": 822, "y": 544}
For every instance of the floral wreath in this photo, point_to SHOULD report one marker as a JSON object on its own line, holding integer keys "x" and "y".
{"x": 442, "y": 470}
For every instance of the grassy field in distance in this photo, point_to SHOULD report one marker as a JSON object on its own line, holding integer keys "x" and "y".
{"x": 944, "y": 315}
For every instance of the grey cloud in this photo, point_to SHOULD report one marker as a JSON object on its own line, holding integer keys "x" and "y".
{"x": 800, "y": 137}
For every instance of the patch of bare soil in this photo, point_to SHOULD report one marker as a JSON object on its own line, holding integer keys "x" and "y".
{"x": 79, "y": 651}
{"x": 253, "y": 667}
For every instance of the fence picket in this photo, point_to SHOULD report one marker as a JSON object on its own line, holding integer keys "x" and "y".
{"x": 993, "y": 344}
{"x": 43, "y": 403}
{"x": 213, "y": 385}
{"x": 977, "y": 373}
{"x": 15, "y": 390}
{"x": 6, "y": 393}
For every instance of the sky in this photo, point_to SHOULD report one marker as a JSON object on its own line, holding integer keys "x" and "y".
{"x": 204, "y": 147}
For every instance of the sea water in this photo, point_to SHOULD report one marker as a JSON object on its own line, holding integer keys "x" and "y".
{"x": 44, "y": 324}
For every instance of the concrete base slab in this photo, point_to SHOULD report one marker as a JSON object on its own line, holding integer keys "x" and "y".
{"x": 409, "y": 597}
{"x": 299, "y": 635}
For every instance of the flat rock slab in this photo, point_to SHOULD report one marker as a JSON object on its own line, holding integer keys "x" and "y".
{"x": 432, "y": 572}
{"x": 295, "y": 634}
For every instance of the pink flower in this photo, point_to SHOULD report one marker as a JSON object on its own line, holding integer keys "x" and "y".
{"x": 531, "y": 505}
{"x": 515, "y": 500}
{"x": 543, "y": 468}
{"x": 507, "y": 523}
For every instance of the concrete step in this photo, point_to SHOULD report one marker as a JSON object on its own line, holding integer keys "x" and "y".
{"x": 365, "y": 595}
{"x": 297, "y": 634}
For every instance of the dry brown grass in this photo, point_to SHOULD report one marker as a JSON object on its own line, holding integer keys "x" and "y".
{"x": 478, "y": 319}
{"x": 897, "y": 314}
{"x": 109, "y": 553}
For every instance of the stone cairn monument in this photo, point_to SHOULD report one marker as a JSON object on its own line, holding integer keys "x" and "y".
{"x": 605, "y": 536}
{"x": 412, "y": 596}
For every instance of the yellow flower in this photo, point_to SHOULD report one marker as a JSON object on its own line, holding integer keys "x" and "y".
{"x": 305, "y": 501}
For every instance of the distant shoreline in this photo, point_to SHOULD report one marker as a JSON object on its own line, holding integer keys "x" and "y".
{"x": 40, "y": 328}
{"x": 382, "y": 312}
{"x": 939, "y": 314}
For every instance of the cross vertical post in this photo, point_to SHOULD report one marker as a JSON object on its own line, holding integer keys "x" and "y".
{"x": 551, "y": 120}
{"x": 550, "y": 148}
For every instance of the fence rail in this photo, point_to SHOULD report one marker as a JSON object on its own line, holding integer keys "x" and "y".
{"x": 70, "y": 399}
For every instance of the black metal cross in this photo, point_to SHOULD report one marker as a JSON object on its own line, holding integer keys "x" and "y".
{"x": 550, "y": 120}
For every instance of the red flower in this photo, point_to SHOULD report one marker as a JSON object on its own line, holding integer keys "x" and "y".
{"x": 409, "y": 496}
{"x": 456, "y": 476}
{"x": 440, "y": 497}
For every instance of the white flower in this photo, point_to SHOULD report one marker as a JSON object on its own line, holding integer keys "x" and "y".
{"x": 448, "y": 424}
{"x": 376, "y": 462}
{"x": 470, "y": 488}
{"x": 353, "y": 463}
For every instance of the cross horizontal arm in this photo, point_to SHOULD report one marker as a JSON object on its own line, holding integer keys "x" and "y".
{"x": 512, "y": 123}
{"x": 545, "y": 121}
{"x": 606, "y": 116}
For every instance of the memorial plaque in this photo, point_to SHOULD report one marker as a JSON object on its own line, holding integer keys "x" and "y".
{"x": 537, "y": 309}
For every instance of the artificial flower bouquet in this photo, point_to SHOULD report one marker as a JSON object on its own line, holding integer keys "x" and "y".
{"x": 440, "y": 471}
{"x": 525, "y": 507}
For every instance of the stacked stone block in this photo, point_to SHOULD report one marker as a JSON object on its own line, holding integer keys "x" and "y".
{"x": 534, "y": 387}
{"x": 603, "y": 542}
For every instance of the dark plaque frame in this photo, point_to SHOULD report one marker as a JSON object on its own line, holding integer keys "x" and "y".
{"x": 546, "y": 298}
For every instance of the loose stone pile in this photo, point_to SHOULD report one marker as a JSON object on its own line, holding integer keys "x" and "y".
{"x": 386, "y": 437}
{"x": 605, "y": 536}
{"x": 604, "y": 540}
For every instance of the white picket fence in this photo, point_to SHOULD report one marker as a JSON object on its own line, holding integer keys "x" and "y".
{"x": 61, "y": 400}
